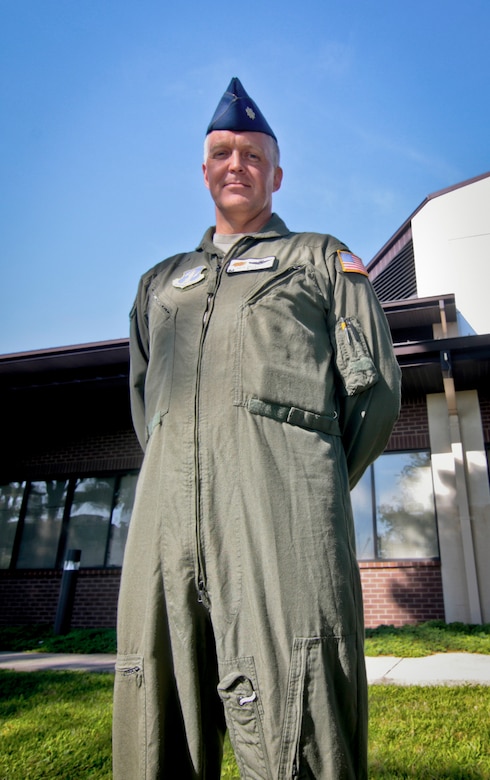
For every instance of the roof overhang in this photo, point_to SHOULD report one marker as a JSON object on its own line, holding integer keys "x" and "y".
{"x": 424, "y": 363}
{"x": 105, "y": 365}
{"x": 106, "y": 361}
{"x": 419, "y": 312}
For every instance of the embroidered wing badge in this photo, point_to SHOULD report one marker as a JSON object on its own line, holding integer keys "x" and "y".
{"x": 190, "y": 277}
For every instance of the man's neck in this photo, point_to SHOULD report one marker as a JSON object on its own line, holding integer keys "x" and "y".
{"x": 229, "y": 225}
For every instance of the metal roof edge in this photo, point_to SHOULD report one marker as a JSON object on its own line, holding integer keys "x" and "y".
{"x": 74, "y": 357}
{"x": 469, "y": 345}
{"x": 398, "y": 234}
{"x": 94, "y": 346}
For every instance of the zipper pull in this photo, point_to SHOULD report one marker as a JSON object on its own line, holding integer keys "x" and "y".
{"x": 212, "y": 287}
{"x": 202, "y": 595}
{"x": 208, "y": 307}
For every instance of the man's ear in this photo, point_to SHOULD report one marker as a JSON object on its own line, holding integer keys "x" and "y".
{"x": 277, "y": 178}
{"x": 205, "y": 174}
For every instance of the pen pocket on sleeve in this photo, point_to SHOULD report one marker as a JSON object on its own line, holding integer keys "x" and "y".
{"x": 354, "y": 362}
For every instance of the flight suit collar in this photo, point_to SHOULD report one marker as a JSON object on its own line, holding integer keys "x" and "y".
{"x": 274, "y": 228}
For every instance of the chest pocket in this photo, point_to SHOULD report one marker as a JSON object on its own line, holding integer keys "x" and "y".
{"x": 158, "y": 386}
{"x": 284, "y": 353}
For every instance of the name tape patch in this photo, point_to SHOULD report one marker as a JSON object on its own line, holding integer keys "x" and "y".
{"x": 242, "y": 264}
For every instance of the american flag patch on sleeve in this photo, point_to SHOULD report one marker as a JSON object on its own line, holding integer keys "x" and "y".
{"x": 350, "y": 263}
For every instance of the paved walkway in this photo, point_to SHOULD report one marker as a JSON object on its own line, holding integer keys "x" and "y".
{"x": 439, "y": 669}
{"x": 34, "y": 662}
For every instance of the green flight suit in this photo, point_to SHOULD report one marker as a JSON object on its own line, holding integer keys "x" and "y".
{"x": 263, "y": 383}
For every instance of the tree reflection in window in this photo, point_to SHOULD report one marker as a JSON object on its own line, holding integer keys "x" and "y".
{"x": 405, "y": 513}
{"x": 362, "y": 505}
{"x": 11, "y": 496}
{"x": 394, "y": 510}
{"x": 41, "y": 520}
{"x": 89, "y": 518}
{"x": 42, "y": 524}
{"x": 121, "y": 515}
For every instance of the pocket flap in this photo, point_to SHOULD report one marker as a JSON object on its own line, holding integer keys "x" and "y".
{"x": 354, "y": 362}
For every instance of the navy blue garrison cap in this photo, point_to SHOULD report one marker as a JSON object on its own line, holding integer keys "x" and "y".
{"x": 237, "y": 112}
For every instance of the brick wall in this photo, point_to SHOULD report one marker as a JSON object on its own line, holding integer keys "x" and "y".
{"x": 401, "y": 592}
{"x": 96, "y": 598}
{"x": 31, "y": 596}
{"x": 95, "y": 452}
{"x": 120, "y": 449}
{"x": 411, "y": 431}
{"x": 395, "y": 593}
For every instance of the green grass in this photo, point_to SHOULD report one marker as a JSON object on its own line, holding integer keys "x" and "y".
{"x": 406, "y": 642}
{"x": 428, "y": 638}
{"x": 56, "y": 726}
{"x": 41, "y": 639}
{"x": 429, "y": 733}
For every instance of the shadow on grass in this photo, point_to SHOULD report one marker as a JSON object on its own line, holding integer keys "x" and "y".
{"x": 41, "y": 638}
{"x": 417, "y": 734}
{"x": 17, "y": 689}
{"x": 446, "y": 772}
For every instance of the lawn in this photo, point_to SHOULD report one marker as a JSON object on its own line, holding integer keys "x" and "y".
{"x": 405, "y": 642}
{"x": 428, "y": 638}
{"x": 56, "y": 726}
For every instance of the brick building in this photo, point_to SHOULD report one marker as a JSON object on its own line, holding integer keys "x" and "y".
{"x": 70, "y": 461}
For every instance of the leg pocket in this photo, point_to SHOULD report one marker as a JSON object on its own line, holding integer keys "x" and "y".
{"x": 325, "y": 726}
{"x": 129, "y": 719}
{"x": 240, "y": 698}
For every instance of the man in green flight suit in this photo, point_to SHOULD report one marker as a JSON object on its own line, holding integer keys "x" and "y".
{"x": 263, "y": 384}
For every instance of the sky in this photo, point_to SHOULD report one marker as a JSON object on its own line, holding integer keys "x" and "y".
{"x": 104, "y": 107}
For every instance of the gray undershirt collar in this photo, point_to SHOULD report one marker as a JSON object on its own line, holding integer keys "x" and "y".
{"x": 225, "y": 241}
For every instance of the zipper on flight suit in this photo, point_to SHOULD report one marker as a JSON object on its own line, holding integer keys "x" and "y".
{"x": 203, "y": 596}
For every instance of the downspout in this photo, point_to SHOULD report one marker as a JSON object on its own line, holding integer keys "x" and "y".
{"x": 461, "y": 485}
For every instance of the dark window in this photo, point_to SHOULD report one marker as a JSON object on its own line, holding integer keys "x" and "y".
{"x": 42, "y": 525}
{"x": 121, "y": 515}
{"x": 393, "y": 507}
{"x": 90, "y": 515}
{"x": 41, "y": 520}
{"x": 11, "y": 497}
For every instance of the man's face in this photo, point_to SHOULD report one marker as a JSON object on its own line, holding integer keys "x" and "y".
{"x": 241, "y": 176}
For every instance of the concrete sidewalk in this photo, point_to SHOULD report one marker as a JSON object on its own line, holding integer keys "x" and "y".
{"x": 67, "y": 662}
{"x": 439, "y": 669}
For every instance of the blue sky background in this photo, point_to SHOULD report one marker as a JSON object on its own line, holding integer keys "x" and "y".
{"x": 104, "y": 106}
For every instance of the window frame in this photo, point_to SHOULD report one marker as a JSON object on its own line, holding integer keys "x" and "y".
{"x": 378, "y": 558}
{"x": 62, "y": 550}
